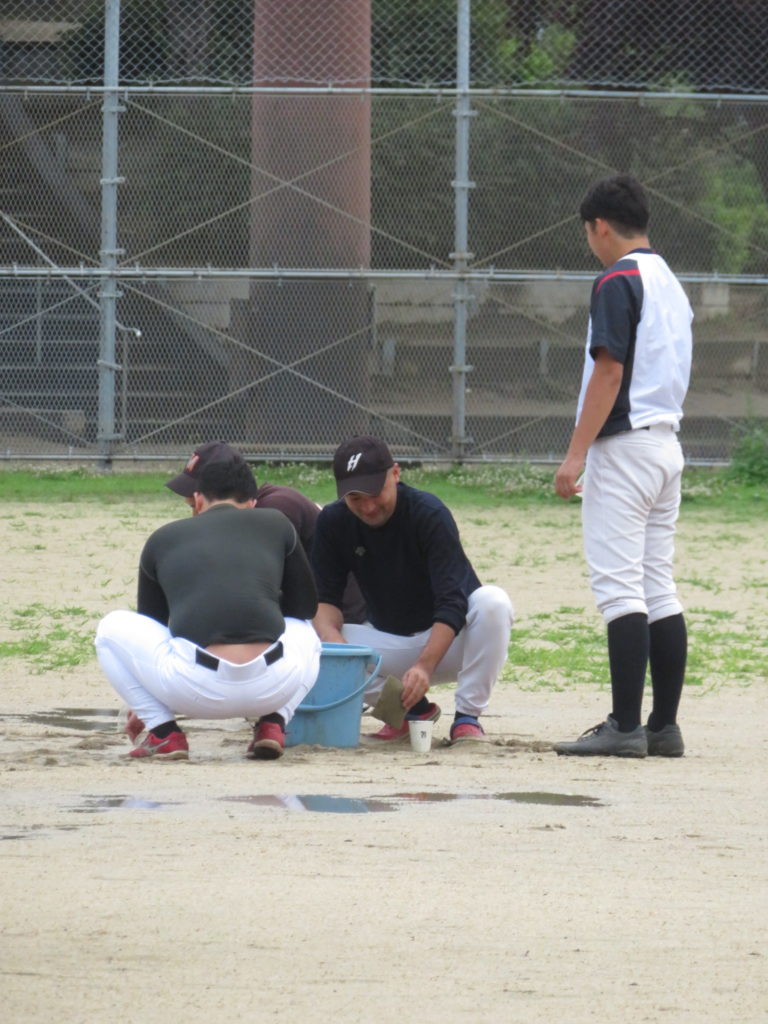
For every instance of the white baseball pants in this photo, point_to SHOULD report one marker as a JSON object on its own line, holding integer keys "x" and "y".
{"x": 158, "y": 677}
{"x": 631, "y": 499}
{"x": 474, "y": 659}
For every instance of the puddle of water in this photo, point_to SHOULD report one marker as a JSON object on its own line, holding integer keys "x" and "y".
{"x": 120, "y": 803}
{"x": 91, "y": 803}
{"x": 83, "y": 719}
{"x": 352, "y": 805}
{"x": 551, "y": 799}
{"x": 317, "y": 802}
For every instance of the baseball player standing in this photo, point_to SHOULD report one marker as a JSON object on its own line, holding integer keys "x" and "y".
{"x": 429, "y": 616}
{"x": 636, "y": 373}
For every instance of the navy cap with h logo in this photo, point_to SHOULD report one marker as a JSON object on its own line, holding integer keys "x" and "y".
{"x": 361, "y": 464}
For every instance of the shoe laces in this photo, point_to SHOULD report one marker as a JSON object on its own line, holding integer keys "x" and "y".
{"x": 594, "y": 731}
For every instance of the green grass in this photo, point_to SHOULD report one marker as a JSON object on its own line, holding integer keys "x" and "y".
{"x": 554, "y": 650}
{"x": 483, "y": 487}
{"x": 50, "y": 637}
{"x": 567, "y": 648}
{"x": 68, "y": 485}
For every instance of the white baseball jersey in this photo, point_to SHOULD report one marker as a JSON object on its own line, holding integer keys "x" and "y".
{"x": 641, "y": 315}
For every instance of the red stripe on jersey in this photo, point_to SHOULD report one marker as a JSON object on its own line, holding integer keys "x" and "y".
{"x": 618, "y": 273}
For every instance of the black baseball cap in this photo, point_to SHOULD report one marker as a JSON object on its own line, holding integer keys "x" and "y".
{"x": 186, "y": 483}
{"x": 361, "y": 464}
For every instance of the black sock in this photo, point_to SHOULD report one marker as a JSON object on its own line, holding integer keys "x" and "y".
{"x": 463, "y": 714}
{"x": 668, "y": 654}
{"x": 161, "y": 731}
{"x": 421, "y": 708}
{"x": 628, "y": 643}
{"x": 274, "y": 717}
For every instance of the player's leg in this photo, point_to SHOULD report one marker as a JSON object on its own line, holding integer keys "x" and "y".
{"x": 668, "y": 633}
{"x": 618, "y": 491}
{"x": 614, "y": 514}
{"x": 478, "y": 653}
{"x": 129, "y": 648}
{"x": 298, "y": 669}
{"x": 274, "y": 697}
{"x": 398, "y": 653}
{"x": 668, "y": 657}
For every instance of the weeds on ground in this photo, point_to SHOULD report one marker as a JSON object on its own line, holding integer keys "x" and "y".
{"x": 49, "y": 637}
{"x": 551, "y": 651}
{"x": 721, "y": 652}
{"x": 558, "y": 650}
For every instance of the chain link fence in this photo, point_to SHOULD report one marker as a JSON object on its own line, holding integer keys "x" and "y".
{"x": 278, "y": 222}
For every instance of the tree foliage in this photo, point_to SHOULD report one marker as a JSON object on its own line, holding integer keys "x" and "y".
{"x": 707, "y": 167}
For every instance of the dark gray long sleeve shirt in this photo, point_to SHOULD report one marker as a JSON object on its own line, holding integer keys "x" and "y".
{"x": 228, "y": 576}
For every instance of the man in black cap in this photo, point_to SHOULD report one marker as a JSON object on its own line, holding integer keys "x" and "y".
{"x": 428, "y": 614}
{"x": 221, "y": 628}
{"x": 301, "y": 511}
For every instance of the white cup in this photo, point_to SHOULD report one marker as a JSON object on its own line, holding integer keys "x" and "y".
{"x": 421, "y": 736}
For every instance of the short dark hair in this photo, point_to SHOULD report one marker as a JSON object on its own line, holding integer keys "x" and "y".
{"x": 621, "y": 201}
{"x": 219, "y": 481}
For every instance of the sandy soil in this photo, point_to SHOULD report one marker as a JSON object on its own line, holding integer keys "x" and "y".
{"x": 476, "y": 883}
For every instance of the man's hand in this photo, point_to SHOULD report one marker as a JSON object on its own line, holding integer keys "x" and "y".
{"x": 134, "y": 726}
{"x": 567, "y": 476}
{"x": 328, "y": 623}
{"x": 415, "y": 685}
{"x": 601, "y": 392}
{"x": 416, "y": 679}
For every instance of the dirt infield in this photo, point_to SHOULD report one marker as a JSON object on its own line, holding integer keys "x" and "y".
{"x": 476, "y": 883}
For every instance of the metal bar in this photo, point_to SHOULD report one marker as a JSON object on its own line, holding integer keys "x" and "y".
{"x": 148, "y": 89}
{"x": 461, "y": 256}
{"x": 109, "y": 251}
{"x": 337, "y": 273}
{"x": 271, "y": 455}
{"x": 38, "y": 322}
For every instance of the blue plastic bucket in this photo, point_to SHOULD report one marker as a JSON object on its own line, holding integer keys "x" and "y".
{"x": 329, "y": 715}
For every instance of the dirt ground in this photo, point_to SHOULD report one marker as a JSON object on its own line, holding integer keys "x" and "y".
{"x": 478, "y": 883}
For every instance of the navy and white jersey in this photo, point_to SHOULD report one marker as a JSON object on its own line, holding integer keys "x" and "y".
{"x": 640, "y": 314}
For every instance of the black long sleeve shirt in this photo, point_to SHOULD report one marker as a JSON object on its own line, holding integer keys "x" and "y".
{"x": 412, "y": 571}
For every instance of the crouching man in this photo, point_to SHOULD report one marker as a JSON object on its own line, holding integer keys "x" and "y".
{"x": 222, "y": 628}
{"x": 429, "y": 616}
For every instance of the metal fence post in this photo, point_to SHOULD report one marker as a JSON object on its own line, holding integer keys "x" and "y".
{"x": 109, "y": 251}
{"x": 461, "y": 255}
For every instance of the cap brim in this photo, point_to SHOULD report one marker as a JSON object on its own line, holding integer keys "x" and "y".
{"x": 183, "y": 484}
{"x": 372, "y": 484}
